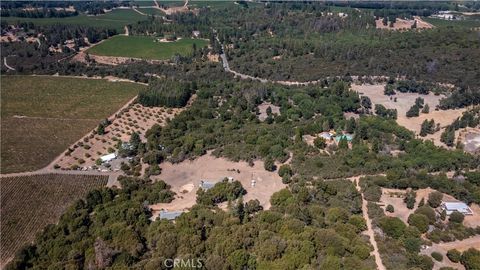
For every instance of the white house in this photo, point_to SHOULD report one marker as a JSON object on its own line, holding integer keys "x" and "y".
{"x": 109, "y": 157}
{"x": 461, "y": 207}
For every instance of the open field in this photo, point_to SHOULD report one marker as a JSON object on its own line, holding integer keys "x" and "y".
{"x": 29, "y": 203}
{"x": 116, "y": 19}
{"x": 403, "y": 103}
{"x": 403, "y": 24}
{"x": 42, "y": 116}
{"x": 145, "y": 47}
{"x": 469, "y": 23}
{"x": 185, "y": 179}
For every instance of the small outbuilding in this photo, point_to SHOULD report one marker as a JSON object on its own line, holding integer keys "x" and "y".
{"x": 169, "y": 215}
{"x": 109, "y": 157}
{"x": 205, "y": 185}
{"x": 461, "y": 207}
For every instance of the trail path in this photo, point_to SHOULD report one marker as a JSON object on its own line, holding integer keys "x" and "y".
{"x": 6, "y": 65}
{"x": 369, "y": 231}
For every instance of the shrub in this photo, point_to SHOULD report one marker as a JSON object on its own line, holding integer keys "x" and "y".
{"x": 435, "y": 199}
{"x": 390, "y": 208}
{"x": 437, "y": 256}
{"x": 285, "y": 170}
{"x": 269, "y": 164}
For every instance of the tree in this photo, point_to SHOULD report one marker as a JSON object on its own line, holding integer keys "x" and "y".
{"x": 392, "y": 226}
{"x": 343, "y": 143}
{"x": 428, "y": 127}
{"x": 366, "y": 102}
{"x": 456, "y": 217}
{"x": 413, "y": 111}
{"x": 419, "y": 102}
{"x": 454, "y": 255}
{"x": 284, "y": 170}
{"x": 437, "y": 256}
{"x": 471, "y": 259}
{"x": 419, "y": 221}
{"x": 422, "y": 202}
{"x": 448, "y": 136}
{"x": 426, "y": 109}
{"x": 410, "y": 199}
{"x": 435, "y": 199}
{"x": 269, "y": 164}
{"x": 390, "y": 208}
{"x": 320, "y": 143}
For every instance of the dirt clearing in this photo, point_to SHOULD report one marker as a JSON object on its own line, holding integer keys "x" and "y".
{"x": 402, "y": 103}
{"x": 185, "y": 179}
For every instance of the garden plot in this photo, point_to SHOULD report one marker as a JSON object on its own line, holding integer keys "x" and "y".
{"x": 185, "y": 177}
{"x": 133, "y": 118}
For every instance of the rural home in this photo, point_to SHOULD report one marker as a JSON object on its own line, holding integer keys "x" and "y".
{"x": 461, "y": 207}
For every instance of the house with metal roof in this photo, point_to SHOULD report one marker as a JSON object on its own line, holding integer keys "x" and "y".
{"x": 461, "y": 207}
{"x": 109, "y": 157}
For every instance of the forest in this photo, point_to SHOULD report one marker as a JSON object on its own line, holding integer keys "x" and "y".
{"x": 316, "y": 222}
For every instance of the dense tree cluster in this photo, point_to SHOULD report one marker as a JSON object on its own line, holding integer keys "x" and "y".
{"x": 167, "y": 92}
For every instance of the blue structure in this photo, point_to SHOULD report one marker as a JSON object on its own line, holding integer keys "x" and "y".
{"x": 347, "y": 137}
{"x": 169, "y": 215}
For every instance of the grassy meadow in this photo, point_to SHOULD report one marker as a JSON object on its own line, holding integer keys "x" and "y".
{"x": 116, "y": 19}
{"x": 42, "y": 116}
{"x": 145, "y": 47}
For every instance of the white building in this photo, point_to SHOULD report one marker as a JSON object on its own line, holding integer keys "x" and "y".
{"x": 461, "y": 207}
{"x": 109, "y": 157}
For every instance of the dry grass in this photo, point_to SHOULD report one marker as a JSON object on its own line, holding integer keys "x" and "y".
{"x": 185, "y": 178}
{"x": 29, "y": 203}
{"x": 403, "y": 103}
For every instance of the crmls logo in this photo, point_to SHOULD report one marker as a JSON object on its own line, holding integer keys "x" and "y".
{"x": 184, "y": 263}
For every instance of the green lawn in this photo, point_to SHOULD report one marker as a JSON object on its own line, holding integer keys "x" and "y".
{"x": 115, "y": 19}
{"x": 42, "y": 116}
{"x": 145, "y": 47}
{"x": 151, "y": 11}
{"x": 143, "y": 3}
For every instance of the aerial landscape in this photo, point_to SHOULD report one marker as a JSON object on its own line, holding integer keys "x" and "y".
{"x": 191, "y": 134}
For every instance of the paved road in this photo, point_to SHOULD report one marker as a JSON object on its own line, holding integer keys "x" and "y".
{"x": 227, "y": 68}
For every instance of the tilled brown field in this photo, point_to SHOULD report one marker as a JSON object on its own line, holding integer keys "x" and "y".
{"x": 29, "y": 203}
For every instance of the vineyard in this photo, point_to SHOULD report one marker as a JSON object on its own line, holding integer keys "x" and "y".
{"x": 29, "y": 203}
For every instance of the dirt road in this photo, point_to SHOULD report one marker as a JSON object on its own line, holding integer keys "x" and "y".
{"x": 369, "y": 232}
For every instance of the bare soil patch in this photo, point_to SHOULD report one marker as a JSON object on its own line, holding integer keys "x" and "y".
{"x": 185, "y": 179}
{"x": 403, "y": 24}
{"x": 262, "y": 108}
